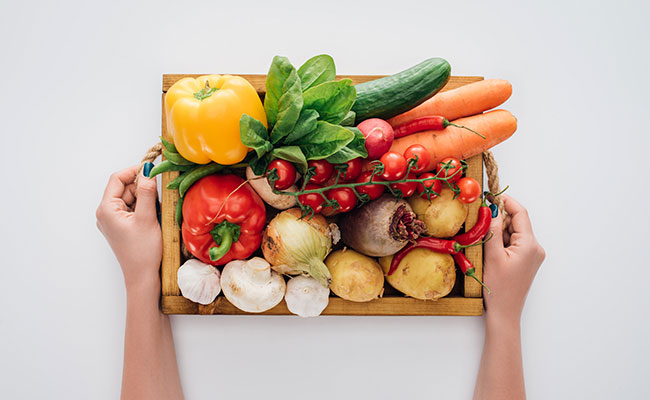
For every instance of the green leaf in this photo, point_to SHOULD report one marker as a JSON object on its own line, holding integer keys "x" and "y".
{"x": 283, "y": 99}
{"x": 356, "y": 148}
{"x": 332, "y": 100}
{"x": 349, "y": 119}
{"x": 292, "y": 154}
{"x": 324, "y": 141}
{"x": 317, "y": 70}
{"x": 259, "y": 165}
{"x": 278, "y": 73}
{"x": 253, "y": 134}
{"x": 306, "y": 124}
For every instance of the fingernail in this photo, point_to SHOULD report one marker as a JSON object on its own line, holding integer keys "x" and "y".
{"x": 495, "y": 210}
{"x": 146, "y": 170}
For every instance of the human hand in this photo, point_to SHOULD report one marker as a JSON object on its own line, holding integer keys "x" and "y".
{"x": 512, "y": 258}
{"x": 131, "y": 228}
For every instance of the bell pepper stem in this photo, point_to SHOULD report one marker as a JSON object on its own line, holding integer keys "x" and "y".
{"x": 224, "y": 235}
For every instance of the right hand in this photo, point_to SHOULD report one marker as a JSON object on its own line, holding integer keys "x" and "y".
{"x": 512, "y": 258}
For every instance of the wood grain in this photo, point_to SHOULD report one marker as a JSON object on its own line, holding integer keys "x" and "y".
{"x": 171, "y": 260}
{"x": 173, "y": 303}
{"x": 471, "y": 288}
{"x": 337, "y": 306}
{"x": 259, "y": 81}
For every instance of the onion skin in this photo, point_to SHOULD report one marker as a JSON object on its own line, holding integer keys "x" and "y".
{"x": 371, "y": 229}
{"x": 296, "y": 261}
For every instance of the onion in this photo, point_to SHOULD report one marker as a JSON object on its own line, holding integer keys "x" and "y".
{"x": 295, "y": 245}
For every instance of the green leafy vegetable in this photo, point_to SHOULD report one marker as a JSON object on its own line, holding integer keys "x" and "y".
{"x": 356, "y": 148}
{"x": 324, "y": 141}
{"x": 292, "y": 154}
{"x": 283, "y": 99}
{"x": 349, "y": 119}
{"x": 306, "y": 124}
{"x": 332, "y": 100}
{"x": 253, "y": 134}
{"x": 259, "y": 165}
{"x": 317, "y": 70}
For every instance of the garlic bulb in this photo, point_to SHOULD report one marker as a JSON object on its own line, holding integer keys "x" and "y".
{"x": 198, "y": 281}
{"x": 306, "y": 297}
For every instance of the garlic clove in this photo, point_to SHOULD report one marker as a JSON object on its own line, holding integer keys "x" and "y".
{"x": 198, "y": 281}
{"x": 306, "y": 297}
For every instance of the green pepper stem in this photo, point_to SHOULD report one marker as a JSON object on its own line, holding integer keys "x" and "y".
{"x": 224, "y": 234}
{"x": 205, "y": 92}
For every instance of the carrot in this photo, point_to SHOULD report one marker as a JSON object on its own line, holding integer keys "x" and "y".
{"x": 460, "y": 102}
{"x": 497, "y": 126}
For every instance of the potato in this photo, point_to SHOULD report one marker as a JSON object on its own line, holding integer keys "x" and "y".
{"x": 423, "y": 274}
{"x": 355, "y": 277}
{"x": 443, "y": 216}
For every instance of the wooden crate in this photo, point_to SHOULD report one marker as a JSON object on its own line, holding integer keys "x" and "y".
{"x": 465, "y": 298}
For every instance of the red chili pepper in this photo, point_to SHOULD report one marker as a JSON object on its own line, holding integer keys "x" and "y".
{"x": 467, "y": 268}
{"x": 433, "y": 123}
{"x": 479, "y": 230}
{"x": 438, "y": 245}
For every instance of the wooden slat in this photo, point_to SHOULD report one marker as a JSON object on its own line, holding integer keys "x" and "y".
{"x": 337, "y": 306}
{"x": 471, "y": 288}
{"x": 259, "y": 81}
{"x": 171, "y": 259}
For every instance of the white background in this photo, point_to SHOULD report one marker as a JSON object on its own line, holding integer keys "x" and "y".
{"x": 80, "y": 87}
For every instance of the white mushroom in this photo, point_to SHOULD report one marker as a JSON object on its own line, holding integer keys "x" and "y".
{"x": 251, "y": 286}
{"x": 199, "y": 281}
{"x": 306, "y": 297}
{"x": 262, "y": 187}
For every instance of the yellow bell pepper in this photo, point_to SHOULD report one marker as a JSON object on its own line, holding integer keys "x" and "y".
{"x": 203, "y": 117}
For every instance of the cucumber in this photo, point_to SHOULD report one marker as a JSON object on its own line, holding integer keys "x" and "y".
{"x": 387, "y": 97}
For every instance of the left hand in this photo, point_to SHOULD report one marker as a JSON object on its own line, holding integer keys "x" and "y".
{"x": 131, "y": 227}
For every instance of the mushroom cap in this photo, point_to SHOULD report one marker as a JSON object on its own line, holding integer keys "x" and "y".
{"x": 251, "y": 286}
{"x": 198, "y": 281}
{"x": 306, "y": 297}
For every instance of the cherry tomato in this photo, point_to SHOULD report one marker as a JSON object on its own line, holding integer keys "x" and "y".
{"x": 470, "y": 190}
{"x": 373, "y": 191}
{"x": 353, "y": 171}
{"x": 422, "y": 154}
{"x": 323, "y": 170}
{"x": 394, "y": 166}
{"x": 286, "y": 173}
{"x": 450, "y": 167}
{"x": 313, "y": 200}
{"x": 344, "y": 196}
{"x": 434, "y": 184}
{"x": 407, "y": 188}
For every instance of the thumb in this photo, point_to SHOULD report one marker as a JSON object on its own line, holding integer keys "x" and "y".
{"x": 494, "y": 246}
{"x": 146, "y": 193}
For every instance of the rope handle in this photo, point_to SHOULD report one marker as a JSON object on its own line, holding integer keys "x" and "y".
{"x": 491, "y": 170}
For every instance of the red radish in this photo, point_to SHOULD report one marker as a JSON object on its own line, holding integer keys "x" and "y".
{"x": 379, "y": 136}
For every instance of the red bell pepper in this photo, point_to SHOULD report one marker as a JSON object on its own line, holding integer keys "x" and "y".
{"x": 223, "y": 219}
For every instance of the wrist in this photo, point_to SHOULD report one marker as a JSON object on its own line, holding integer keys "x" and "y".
{"x": 495, "y": 322}
{"x": 143, "y": 285}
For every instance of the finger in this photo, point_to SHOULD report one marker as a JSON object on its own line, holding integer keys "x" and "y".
{"x": 495, "y": 244}
{"x": 146, "y": 196}
{"x": 519, "y": 220}
{"x": 129, "y": 194}
{"x": 118, "y": 181}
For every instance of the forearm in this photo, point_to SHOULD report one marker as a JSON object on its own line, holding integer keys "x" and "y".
{"x": 501, "y": 371}
{"x": 150, "y": 369}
